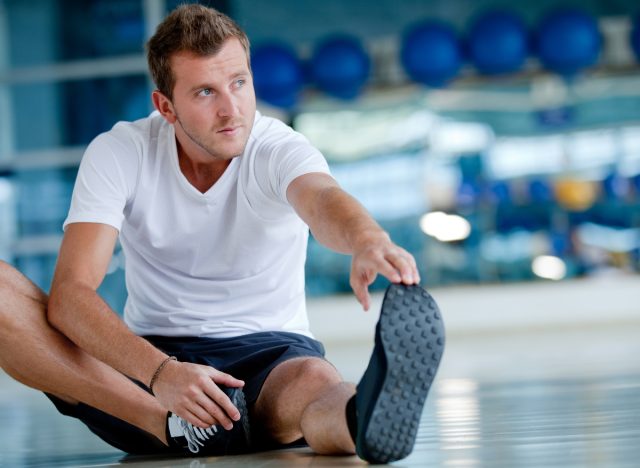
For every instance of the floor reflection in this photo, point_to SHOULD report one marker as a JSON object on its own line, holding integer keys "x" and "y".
{"x": 466, "y": 423}
{"x": 533, "y": 423}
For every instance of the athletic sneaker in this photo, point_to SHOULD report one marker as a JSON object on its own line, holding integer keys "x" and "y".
{"x": 214, "y": 440}
{"x": 409, "y": 341}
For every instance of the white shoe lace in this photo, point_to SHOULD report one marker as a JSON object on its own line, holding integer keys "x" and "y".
{"x": 194, "y": 435}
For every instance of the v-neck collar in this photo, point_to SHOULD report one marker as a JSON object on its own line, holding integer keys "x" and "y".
{"x": 219, "y": 186}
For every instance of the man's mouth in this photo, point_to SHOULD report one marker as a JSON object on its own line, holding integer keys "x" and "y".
{"x": 229, "y": 130}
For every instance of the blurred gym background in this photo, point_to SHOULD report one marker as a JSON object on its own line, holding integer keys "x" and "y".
{"x": 496, "y": 141}
{"x": 499, "y": 142}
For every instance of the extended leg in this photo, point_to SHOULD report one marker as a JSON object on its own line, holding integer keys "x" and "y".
{"x": 307, "y": 397}
{"x": 37, "y": 355}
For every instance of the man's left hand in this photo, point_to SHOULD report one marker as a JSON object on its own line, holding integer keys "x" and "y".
{"x": 375, "y": 255}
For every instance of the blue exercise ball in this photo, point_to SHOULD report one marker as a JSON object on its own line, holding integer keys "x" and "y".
{"x": 635, "y": 182}
{"x": 500, "y": 192}
{"x": 635, "y": 37}
{"x": 431, "y": 53}
{"x": 340, "y": 66}
{"x": 498, "y": 43}
{"x": 568, "y": 41}
{"x": 615, "y": 186}
{"x": 277, "y": 74}
{"x": 540, "y": 191}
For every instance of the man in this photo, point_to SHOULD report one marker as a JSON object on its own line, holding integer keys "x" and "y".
{"x": 211, "y": 203}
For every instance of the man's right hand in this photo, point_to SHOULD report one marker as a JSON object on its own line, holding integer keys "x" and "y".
{"x": 191, "y": 391}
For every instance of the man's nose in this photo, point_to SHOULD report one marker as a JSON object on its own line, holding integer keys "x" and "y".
{"x": 226, "y": 105}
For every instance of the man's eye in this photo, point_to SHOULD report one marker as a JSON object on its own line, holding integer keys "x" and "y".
{"x": 205, "y": 92}
{"x": 240, "y": 82}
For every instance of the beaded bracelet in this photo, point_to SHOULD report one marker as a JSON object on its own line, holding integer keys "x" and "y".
{"x": 158, "y": 370}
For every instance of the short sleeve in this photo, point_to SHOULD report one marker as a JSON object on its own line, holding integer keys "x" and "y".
{"x": 286, "y": 155}
{"x": 105, "y": 182}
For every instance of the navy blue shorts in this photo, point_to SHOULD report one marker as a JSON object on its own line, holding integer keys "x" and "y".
{"x": 249, "y": 357}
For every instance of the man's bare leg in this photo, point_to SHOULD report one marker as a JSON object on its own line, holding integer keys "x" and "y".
{"x": 37, "y": 355}
{"x": 307, "y": 397}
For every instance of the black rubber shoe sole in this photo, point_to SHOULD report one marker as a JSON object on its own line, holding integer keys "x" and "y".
{"x": 409, "y": 343}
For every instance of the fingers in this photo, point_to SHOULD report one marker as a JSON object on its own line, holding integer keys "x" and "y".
{"x": 193, "y": 418}
{"x": 198, "y": 399}
{"x": 205, "y": 404}
{"x": 387, "y": 269}
{"x": 359, "y": 284}
{"x": 225, "y": 379}
{"x": 219, "y": 396}
{"x": 218, "y": 403}
{"x": 222, "y": 401}
{"x": 397, "y": 266}
{"x": 207, "y": 413}
{"x": 392, "y": 262}
{"x": 405, "y": 267}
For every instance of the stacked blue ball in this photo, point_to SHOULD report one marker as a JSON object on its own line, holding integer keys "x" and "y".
{"x": 497, "y": 43}
{"x": 431, "y": 53}
{"x": 277, "y": 74}
{"x": 340, "y": 67}
{"x": 568, "y": 41}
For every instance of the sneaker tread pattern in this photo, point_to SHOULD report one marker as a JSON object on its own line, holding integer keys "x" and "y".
{"x": 412, "y": 334}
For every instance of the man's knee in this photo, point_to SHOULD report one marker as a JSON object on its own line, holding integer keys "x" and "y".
{"x": 6, "y": 271}
{"x": 315, "y": 372}
{"x": 4, "y": 266}
{"x": 296, "y": 383}
{"x": 6, "y": 293}
{"x": 19, "y": 312}
{"x": 8, "y": 276}
{"x": 10, "y": 322}
{"x": 290, "y": 389}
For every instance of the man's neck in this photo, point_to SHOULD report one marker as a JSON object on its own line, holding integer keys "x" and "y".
{"x": 202, "y": 175}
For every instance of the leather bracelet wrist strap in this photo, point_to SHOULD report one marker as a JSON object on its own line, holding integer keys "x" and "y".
{"x": 158, "y": 370}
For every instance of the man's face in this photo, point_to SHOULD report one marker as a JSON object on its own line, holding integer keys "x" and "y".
{"x": 213, "y": 102}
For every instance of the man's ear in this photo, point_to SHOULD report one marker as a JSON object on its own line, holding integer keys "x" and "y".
{"x": 163, "y": 105}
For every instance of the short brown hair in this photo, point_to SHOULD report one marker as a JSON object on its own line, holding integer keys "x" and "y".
{"x": 191, "y": 28}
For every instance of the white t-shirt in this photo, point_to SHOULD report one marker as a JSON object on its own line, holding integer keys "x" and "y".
{"x": 224, "y": 263}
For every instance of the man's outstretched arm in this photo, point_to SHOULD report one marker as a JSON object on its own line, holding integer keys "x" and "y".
{"x": 340, "y": 222}
{"x": 76, "y": 310}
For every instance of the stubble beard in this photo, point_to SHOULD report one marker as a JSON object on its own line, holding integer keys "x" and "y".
{"x": 206, "y": 147}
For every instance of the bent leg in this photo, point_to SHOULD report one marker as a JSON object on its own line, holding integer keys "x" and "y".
{"x": 306, "y": 397}
{"x": 37, "y": 355}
